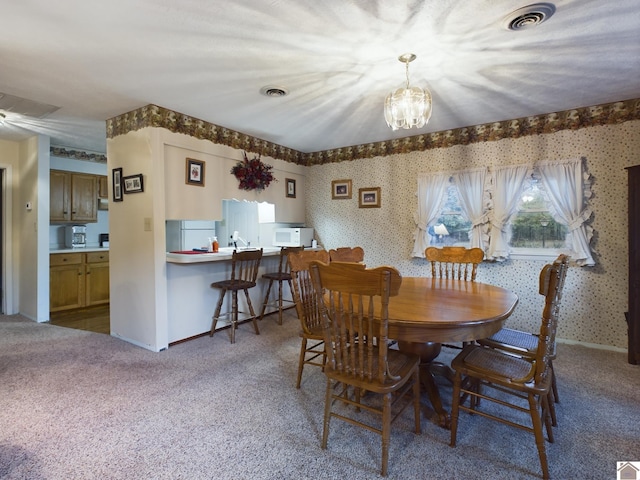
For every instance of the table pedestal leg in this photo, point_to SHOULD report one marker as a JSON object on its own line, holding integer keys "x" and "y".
{"x": 428, "y": 351}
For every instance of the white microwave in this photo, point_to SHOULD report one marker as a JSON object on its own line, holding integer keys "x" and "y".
{"x": 292, "y": 237}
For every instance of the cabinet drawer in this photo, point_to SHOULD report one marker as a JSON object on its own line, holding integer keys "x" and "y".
{"x": 65, "y": 259}
{"x": 97, "y": 257}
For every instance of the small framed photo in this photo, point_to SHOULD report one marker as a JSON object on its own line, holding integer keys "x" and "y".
{"x": 133, "y": 183}
{"x": 369, "y": 197}
{"x": 291, "y": 187}
{"x": 195, "y": 172}
{"x": 340, "y": 189}
{"x": 116, "y": 181}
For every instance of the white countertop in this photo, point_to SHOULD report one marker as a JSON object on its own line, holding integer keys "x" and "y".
{"x": 224, "y": 253}
{"x": 79, "y": 250}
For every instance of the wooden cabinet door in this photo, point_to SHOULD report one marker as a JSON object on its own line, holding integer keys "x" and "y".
{"x": 84, "y": 198}
{"x": 59, "y": 196}
{"x": 67, "y": 282}
{"x": 97, "y": 278}
{"x": 103, "y": 187}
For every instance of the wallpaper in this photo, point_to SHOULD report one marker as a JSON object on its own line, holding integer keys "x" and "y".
{"x": 595, "y": 298}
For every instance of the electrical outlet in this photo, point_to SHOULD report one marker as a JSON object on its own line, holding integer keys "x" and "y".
{"x": 28, "y": 206}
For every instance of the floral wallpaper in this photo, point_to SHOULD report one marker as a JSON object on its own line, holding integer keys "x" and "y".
{"x": 595, "y": 298}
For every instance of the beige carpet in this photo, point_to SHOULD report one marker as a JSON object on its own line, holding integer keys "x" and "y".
{"x": 80, "y": 405}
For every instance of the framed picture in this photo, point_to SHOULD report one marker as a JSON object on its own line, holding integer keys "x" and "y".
{"x": 369, "y": 197}
{"x": 116, "y": 181}
{"x": 291, "y": 187}
{"x": 133, "y": 183}
{"x": 340, "y": 189}
{"x": 195, "y": 172}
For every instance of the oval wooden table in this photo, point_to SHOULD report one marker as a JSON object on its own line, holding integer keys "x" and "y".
{"x": 430, "y": 311}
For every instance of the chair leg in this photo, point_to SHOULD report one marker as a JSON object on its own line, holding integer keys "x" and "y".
{"x": 266, "y": 299}
{"x": 303, "y": 349}
{"x": 216, "y": 315}
{"x": 416, "y": 400}
{"x": 386, "y": 432}
{"x": 327, "y": 414}
{"x": 554, "y": 385}
{"x": 234, "y": 315}
{"x": 251, "y": 312}
{"x": 279, "y": 302}
{"x": 455, "y": 405}
{"x": 537, "y": 430}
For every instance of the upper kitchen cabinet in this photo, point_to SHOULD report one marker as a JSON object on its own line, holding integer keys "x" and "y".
{"x": 73, "y": 197}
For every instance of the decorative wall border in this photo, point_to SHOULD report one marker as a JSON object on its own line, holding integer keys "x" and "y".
{"x": 64, "y": 152}
{"x": 154, "y": 116}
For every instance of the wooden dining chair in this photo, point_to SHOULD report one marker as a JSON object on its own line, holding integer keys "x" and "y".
{"x": 307, "y": 308}
{"x": 347, "y": 254}
{"x": 358, "y": 357}
{"x": 244, "y": 272}
{"x": 524, "y": 380}
{"x": 454, "y": 262}
{"x": 280, "y": 276}
{"x": 525, "y": 344}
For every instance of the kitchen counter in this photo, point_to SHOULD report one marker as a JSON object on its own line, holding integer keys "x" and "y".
{"x": 224, "y": 253}
{"x": 79, "y": 250}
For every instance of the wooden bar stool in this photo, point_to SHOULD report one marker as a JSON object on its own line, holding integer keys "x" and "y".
{"x": 244, "y": 272}
{"x": 282, "y": 275}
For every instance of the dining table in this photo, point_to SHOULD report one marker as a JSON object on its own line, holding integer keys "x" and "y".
{"x": 428, "y": 312}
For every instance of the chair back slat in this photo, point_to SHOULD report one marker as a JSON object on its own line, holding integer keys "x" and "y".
{"x": 347, "y": 254}
{"x": 306, "y": 301}
{"x": 454, "y": 262}
{"x": 356, "y": 341}
{"x": 245, "y": 265}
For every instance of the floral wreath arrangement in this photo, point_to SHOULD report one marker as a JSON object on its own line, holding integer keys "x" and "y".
{"x": 253, "y": 174}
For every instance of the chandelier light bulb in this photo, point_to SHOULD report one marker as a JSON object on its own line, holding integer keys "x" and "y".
{"x": 409, "y": 106}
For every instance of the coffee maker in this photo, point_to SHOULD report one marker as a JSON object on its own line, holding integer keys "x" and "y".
{"x": 75, "y": 236}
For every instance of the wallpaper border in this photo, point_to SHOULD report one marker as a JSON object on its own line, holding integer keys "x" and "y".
{"x": 155, "y": 116}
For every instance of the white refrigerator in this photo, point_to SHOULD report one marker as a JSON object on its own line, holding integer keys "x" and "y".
{"x": 189, "y": 234}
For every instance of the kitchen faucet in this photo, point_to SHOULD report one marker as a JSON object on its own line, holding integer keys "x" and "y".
{"x": 236, "y": 236}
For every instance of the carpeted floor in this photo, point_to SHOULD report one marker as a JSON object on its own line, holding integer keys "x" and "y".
{"x": 81, "y": 405}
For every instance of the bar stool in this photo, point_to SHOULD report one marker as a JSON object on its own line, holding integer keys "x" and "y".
{"x": 244, "y": 271}
{"x": 283, "y": 274}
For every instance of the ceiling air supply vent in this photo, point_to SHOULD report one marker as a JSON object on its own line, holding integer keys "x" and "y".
{"x": 271, "y": 91}
{"x": 529, "y": 16}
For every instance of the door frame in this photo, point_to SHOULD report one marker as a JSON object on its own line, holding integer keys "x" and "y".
{"x": 6, "y": 190}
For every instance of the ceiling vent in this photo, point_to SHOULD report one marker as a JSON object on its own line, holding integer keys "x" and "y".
{"x": 530, "y": 16}
{"x": 23, "y": 106}
{"x": 270, "y": 91}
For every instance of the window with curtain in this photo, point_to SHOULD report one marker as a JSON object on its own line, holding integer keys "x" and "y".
{"x": 521, "y": 210}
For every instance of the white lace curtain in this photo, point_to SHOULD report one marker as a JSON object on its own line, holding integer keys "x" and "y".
{"x": 565, "y": 182}
{"x": 431, "y": 187}
{"x": 471, "y": 193}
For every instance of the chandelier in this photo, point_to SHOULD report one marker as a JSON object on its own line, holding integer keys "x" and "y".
{"x": 407, "y": 107}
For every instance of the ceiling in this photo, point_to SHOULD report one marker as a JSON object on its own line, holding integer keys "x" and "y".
{"x": 338, "y": 59}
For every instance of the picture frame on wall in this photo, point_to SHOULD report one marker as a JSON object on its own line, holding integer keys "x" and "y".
{"x": 194, "y": 172}
{"x": 340, "y": 189}
{"x": 369, "y": 197}
{"x": 291, "y": 187}
{"x": 116, "y": 182}
{"x": 133, "y": 183}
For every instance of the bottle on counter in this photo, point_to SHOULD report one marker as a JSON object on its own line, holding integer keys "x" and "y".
{"x": 215, "y": 245}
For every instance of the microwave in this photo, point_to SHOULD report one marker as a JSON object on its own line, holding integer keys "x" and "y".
{"x": 292, "y": 237}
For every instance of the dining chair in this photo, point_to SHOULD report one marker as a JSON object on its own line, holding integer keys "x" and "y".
{"x": 244, "y": 272}
{"x": 358, "y": 357}
{"x": 525, "y": 344}
{"x": 454, "y": 262}
{"x": 308, "y": 309}
{"x": 280, "y": 276}
{"x": 479, "y": 370}
{"x": 347, "y": 254}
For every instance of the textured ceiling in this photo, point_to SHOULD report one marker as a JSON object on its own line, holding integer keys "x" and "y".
{"x": 337, "y": 58}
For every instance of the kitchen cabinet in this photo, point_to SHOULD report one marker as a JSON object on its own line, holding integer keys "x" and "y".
{"x": 103, "y": 187}
{"x": 73, "y": 197}
{"x": 78, "y": 280}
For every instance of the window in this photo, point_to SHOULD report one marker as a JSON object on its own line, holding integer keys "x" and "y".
{"x": 452, "y": 226}
{"x": 533, "y": 229}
